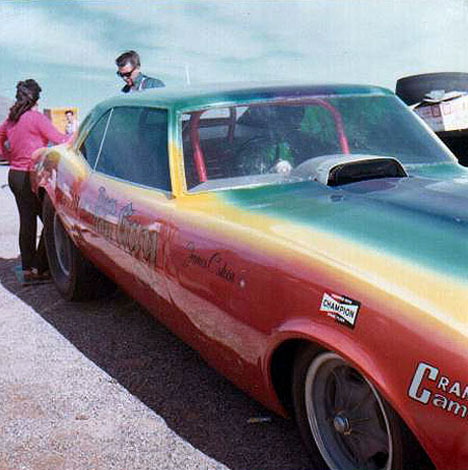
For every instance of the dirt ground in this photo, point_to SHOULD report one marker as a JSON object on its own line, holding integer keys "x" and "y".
{"x": 102, "y": 385}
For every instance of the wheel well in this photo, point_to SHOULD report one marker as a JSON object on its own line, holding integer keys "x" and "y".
{"x": 282, "y": 366}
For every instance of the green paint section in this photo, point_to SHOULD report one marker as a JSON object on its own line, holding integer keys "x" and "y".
{"x": 193, "y": 97}
{"x": 391, "y": 226}
{"x": 439, "y": 171}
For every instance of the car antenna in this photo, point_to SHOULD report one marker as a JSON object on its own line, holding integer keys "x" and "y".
{"x": 187, "y": 74}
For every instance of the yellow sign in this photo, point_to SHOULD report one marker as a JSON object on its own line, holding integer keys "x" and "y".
{"x": 64, "y": 119}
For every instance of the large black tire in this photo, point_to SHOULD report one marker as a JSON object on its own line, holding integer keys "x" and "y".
{"x": 412, "y": 89}
{"x": 343, "y": 420}
{"x": 74, "y": 276}
{"x": 457, "y": 142}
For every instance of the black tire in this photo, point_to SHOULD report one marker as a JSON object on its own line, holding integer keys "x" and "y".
{"x": 412, "y": 89}
{"x": 343, "y": 420}
{"x": 457, "y": 142}
{"x": 74, "y": 276}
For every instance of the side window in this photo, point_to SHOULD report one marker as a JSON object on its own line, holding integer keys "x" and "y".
{"x": 135, "y": 147}
{"x": 91, "y": 145}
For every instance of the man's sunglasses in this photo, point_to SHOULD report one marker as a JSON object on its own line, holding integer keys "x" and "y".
{"x": 126, "y": 74}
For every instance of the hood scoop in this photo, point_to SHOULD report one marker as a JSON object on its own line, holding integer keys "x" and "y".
{"x": 337, "y": 170}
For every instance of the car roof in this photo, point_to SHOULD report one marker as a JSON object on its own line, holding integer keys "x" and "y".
{"x": 198, "y": 96}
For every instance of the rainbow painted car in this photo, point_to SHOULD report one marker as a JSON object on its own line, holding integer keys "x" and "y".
{"x": 309, "y": 241}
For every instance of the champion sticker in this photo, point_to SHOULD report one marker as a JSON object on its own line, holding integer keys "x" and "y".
{"x": 342, "y": 309}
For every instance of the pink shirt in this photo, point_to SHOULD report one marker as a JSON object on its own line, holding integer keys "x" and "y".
{"x": 31, "y": 132}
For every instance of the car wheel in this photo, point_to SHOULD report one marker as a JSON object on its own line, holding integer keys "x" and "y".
{"x": 412, "y": 89}
{"x": 73, "y": 275}
{"x": 343, "y": 420}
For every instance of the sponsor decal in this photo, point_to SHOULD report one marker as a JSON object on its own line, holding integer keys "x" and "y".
{"x": 429, "y": 386}
{"x": 342, "y": 309}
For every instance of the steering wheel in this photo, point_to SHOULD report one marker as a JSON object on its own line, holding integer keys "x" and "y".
{"x": 251, "y": 157}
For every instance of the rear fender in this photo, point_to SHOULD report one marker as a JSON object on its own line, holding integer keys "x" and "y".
{"x": 44, "y": 172}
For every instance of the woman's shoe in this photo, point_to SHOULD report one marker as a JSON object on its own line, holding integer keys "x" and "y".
{"x": 31, "y": 275}
{"x": 44, "y": 276}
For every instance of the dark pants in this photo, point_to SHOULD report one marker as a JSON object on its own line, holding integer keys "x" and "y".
{"x": 29, "y": 209}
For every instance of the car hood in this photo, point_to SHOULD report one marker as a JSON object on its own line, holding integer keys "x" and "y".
{"x": 421, "y": 220}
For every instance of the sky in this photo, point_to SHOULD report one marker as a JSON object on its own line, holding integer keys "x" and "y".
{"x": 70, "y": 46}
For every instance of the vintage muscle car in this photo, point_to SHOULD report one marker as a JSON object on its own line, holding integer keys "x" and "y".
{"x": 309, "y": 241}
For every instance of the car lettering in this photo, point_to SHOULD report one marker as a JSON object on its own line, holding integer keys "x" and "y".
{"x": 130, "y": 235}
{"x": 135, "y": 238}
{"x": 214, "y": 264}
{"x": 105, "y": 204}
{"x": 427, "y": 373}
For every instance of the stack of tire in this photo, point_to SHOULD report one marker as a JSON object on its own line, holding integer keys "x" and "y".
{"x": 413, "y": 89}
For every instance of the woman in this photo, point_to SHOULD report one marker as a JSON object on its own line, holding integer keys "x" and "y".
{"x": 24, "y": 131}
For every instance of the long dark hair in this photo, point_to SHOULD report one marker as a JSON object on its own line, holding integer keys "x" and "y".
{"x": 27, "y": 94}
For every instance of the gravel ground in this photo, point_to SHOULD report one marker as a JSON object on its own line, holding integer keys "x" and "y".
{"x": 103, "y": 385}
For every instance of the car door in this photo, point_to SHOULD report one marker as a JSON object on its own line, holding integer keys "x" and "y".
{"x": 126, "y": 202}
{"x": 211, "y": 279}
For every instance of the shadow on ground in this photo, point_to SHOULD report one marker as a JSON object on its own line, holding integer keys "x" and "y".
{"x": 168, "y": 376}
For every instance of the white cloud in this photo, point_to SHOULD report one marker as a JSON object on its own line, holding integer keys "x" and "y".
{"x": 312, "y": 40}
{"x": 326, "y": 40}
{"x": 34, "y": 35}
{"x": 185, "y": 28}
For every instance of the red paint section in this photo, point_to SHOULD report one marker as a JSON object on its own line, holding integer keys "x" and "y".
{"x": 236, "y": 303}
{"x": 197, "y": 151}
{"x": 338, "y": 123}
{"x": 235, "y": 292}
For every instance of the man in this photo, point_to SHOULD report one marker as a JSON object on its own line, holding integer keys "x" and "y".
{"x": 71, "y": 124}
{"x": 128, "y": 65}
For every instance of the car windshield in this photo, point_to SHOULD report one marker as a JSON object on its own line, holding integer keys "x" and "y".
{"x": 263, "y": 143}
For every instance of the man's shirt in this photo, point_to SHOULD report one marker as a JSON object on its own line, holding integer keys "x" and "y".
{"x": 142, "y": 82}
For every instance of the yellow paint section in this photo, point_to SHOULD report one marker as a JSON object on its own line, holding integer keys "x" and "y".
{"x": 176, "y": 169}
{"x": 443, "y": 298}
{"x": 74, "y": 164}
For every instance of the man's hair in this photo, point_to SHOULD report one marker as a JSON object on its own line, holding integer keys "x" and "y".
{"x": 69, "y": 111}
{"x": 129, "y": 57}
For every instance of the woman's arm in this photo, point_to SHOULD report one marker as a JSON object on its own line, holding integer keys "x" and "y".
{"x": 3, "y": 138}
{"x": 48, "y": 130}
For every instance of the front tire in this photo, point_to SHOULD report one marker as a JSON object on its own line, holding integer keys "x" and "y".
{"x": 74, "y": 276}
{"x": 344, "y": 422}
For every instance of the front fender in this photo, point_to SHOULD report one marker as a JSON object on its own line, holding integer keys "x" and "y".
{"x": 390, "y": 358}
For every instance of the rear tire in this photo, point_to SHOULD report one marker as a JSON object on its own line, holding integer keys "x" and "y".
{"x": 412, "y": 89}
{"x": 74, "y": 276}
{"x": 343, "y": 420}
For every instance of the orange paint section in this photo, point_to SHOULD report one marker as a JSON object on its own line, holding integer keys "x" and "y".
{"x": 439, "y": 297}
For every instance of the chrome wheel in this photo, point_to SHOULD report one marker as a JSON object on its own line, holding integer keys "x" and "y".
{"x": 63, "y": 247}
{"x": 346, "y": 416}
